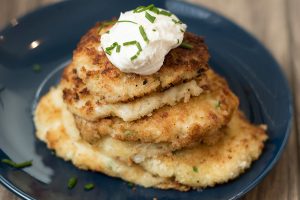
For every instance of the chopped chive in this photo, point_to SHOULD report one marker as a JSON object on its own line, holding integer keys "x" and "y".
{"x": 150, "y": 7}
{"x": 130, "y": 43}
{"x": 138, "y": 8}
{"x": 186, "y": 45}
{"x": 89, "y": 186}
{"x": 17, "y": 165}
{"x": 177, "y": 41}
{"x": 112, "y": 46}
{"x": 177, "y": 21}
{"x": 107, "y": 32}
{"x": 129, "y": 132}
{"x": 135, "y": 56}
{"x": 105, "y": 24}
{"x": 143, "y": 33}
{"x": 166, "y": 13}
{"x": 108, "y": 52}
{"x": 182, "y": 31}
{"x": 120, "y": 21}
{"x": 109, "y": 49}
{"x": 143, "y": 8}
{"x": 130, "y": 184}
{"x": 118, "y": 49}
{"x": 154, "y": 9}
{"x": 218, "y": 104}
{"x": 150, "y": 17}
{"x": 154, "y": 30}
{"x": 134, "y": 42}
{"x": 139, "y": 46}
{"x": 72, "y": 182}
{"x": 195, "y": 169}
{"x": 36, "y": 68}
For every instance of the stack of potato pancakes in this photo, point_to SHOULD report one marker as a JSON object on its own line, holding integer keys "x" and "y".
{"x": 179, "y": 128}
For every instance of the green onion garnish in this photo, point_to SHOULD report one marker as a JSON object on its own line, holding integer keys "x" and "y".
{"x": 177, "y": 41}
{"x": 36, "y": 68}
{"x": 135, "y": 56}
{"x": 126, "y": 21}
{"x": 134, "y": 42}
{"x": 104, "y": 24}
{"x": 109, "y": 49}
{"x": 17, "y": 165}
{"x": 143, "y": 33}
{"x": 112, "y": 46}
{"x": 166, "y": 13}
{"x": 130, "y": 184}
{"x": 89, "y": 186}
{"x": 72, "y": 182}
{"x": 150, "y": 17}
{"x": 139, "y": 46}
{"x": 218, "y": 104}
{"x": 138, "y": 8}
{"x": 128, "y": 132}
{"x": 108, "y": 52}
{"x": 182, "y": 31}
{"x": 186, "y": 45}
{"x": 143, "y": 8}
{"x": 130, "y": 43}
{"x": 177, "y": 21}
{"x": 195, "y": 169}
{"x": 154, "y": 9}
{"x": 118, "y": 49}
{"x": 150, "y": 7}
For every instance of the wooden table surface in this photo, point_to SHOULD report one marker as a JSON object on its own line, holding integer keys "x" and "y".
{"x": 275, "y": 24}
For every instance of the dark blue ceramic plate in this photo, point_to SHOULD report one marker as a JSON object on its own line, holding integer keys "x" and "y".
{"x": 54, "y": 31}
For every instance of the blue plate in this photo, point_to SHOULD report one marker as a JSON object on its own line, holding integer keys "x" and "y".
{"x": 48, "y": 36}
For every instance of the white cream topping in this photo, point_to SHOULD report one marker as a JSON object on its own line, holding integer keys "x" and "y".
{"x": 146, "y": 56}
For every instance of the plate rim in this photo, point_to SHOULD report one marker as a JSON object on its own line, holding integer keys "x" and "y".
{"x": 20, "y": 193}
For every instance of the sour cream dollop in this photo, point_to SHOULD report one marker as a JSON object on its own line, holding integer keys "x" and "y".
{"x": 140, "y": 40}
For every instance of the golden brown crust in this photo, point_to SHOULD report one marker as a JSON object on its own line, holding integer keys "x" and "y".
{"x": 82, "y": 103}
{"x": 210, "y": 165}
{"x": 178, "y": 125}
{"x": 198, "y": 166}
{"x": 111, "y": 85}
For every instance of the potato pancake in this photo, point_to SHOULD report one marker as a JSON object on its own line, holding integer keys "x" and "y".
{"x": 194, "y": 167}
{"x": 111, "y": 85}
{"x": 177, "y": 125}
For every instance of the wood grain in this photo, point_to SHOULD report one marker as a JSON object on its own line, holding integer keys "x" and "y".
{"x": 276, "y": 24}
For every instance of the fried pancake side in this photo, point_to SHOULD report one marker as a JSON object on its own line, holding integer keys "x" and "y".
{"x": 81, "y": 102}
{"x": 198, "y": 166}
{"x": 56, "y": 127}
{"x": 179, "y": 125}
{"x": 111, "y": 85}
{"x": 203, "y": 165}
